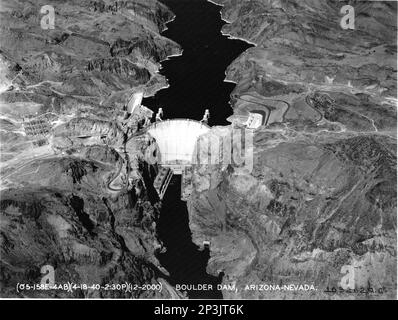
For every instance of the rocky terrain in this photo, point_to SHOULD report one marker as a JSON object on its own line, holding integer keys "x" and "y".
{"x": 71, "y": 196}
{"x": 321, "y": 198}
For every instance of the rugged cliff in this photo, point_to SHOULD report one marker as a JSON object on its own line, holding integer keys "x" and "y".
{"x": 319, "y": 205}
{"x": 75, "y": 190}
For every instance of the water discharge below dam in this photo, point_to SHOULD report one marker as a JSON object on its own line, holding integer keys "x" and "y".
{"x": 183, "y": 259}
{"x": 196, "y": 82}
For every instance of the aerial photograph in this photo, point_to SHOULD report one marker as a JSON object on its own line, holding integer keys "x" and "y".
{"x": 174, "y": 150}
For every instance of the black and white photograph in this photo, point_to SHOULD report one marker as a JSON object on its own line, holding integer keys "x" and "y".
{"x": 206, "y": 150}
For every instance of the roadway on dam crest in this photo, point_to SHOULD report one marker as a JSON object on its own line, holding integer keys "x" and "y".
{"x": 196, "y": 83}
{"x": 176, "y": 139}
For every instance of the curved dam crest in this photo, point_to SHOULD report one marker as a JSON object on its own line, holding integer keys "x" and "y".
{"x": 196, "y": 81}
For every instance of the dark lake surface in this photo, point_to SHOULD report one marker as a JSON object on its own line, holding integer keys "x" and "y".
{"x": 196, "y": 78}
{"x": 196, "y": 82}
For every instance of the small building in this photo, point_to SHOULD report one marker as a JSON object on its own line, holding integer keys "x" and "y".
{"x": 254, "y": 121}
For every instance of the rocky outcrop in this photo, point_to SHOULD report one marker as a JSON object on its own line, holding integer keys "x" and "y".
{"x": 309, "y": 208}
{"x": 91, "y": 65}
{"x": 319, "y": 205}
{"x": 82, "y": 128}
{"x": 69, "y": 221}
{"x": 305, "y": 42}
{"x": 72, "y": 198}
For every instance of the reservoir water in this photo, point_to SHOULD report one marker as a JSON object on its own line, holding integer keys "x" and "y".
{"x": 196, "y": 78}
{"x": 196, "y": 82}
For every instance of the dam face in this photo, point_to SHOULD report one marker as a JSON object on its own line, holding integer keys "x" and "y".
{"x": 196, "y": 83}
{"x": 176, "y": 139}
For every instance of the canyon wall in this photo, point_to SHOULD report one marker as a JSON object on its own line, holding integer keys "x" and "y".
{"x": 76, "y": 192}
{"x": 319, "y": 205}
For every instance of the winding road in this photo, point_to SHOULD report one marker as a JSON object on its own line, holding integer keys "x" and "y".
{"x": 264, "y": 105}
